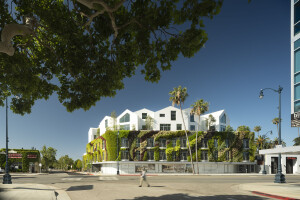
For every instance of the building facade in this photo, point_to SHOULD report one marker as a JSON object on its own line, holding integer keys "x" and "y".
{"x": 290, "y": 159}
{"x": 21, "y": 160}
{"x": 167, "y": 152}
{"x": 167, "y": 119}
{"x": 295, "y": 63}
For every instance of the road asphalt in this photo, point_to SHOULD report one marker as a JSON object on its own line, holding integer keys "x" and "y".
{"x": 288, "y": 191}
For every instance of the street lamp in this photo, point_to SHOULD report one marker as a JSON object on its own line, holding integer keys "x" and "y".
{"x": 118, "y": 154}
{"x": 6, "y": 176}
{"x": 279, "y": 177}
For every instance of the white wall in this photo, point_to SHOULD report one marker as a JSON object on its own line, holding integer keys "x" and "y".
{"x": 102, "y": 124}
{"x": 133, "y": 119}
{"x": 92, "y": 132}
{"x": 296, "y": 167}
{"x": 141, "y": 121}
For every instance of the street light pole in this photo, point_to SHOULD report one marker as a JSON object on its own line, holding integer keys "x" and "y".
{"x": 6, "y": 176}
{"x": 118, "y": 172}
{"x": 279, "y": 177}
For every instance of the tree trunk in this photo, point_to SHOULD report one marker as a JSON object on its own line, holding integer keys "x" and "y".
{"x": 187, "y": 138}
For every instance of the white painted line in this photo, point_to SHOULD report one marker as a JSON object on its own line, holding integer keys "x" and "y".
{"x": 71, "y": 179}
{"x": 107, "y": 178}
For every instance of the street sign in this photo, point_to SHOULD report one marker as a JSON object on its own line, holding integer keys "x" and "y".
{"x": 295, "y": 119}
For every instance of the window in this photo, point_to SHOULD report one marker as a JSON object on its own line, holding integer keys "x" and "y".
{"x": 150, "y": 142}
{"x": 245, "y": 156}
{"x": 150, "y": 155}
{"x": 124, "y": 142}
{"x": 165, "y": 127}
{"x": 124, "y": 155}
{"x": 95, "y": 136}
{"x": 138, "y": 155}
{"x": 192, "y": 119}
{"x": 138, "y": 142}
{"x": 125, "y": 127}
{"x": 103, "y": 144}
{"x": 246, "y": 143}
{"x": 184, "y": 155}
{"x": 162, "y": 155}
{"x": 215, "y": 155}
{"x": 179, "y": 127}
{"x": 144, "y": 115}
{"x": 223, "y": 119}
{"x": 183, "y": 142}
{"x": 162, "y": 143}
{"x": 204, "y": 155}
{"x": 227, "y": 143}
{"x": 125, "y": 118}
{"x": 204, "y": 143}
{"x": 216, "y": 143}
{"x": 174, "y": 156}
{"x": 227, "y": 155}
{"x": 106, "y": 123}
{"x": 144, "y": 127}
{"x": 173, "y": 115}
{"x": 161, "y": 115}
{"x": 103, "y": 156}
{"x": 174, "y": 142}
{"x": 192, "y": 127}
{"x": 222, "y": 128}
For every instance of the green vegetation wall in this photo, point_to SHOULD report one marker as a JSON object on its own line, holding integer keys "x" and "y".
{"x": 27, "y": 157}
{"x": 234, "y": 150}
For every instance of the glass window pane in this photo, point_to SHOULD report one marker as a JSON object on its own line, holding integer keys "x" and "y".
{"x": 297, "y": 106}
{"x": 297, "y": 92}
{"x": 297, "y": 61}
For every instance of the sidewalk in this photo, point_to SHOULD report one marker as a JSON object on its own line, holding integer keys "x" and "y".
{"x": 274, "y": 190}
{"x": 31, "y": 192}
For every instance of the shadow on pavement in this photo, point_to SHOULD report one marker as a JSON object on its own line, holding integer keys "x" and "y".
{"x": 19, "y": 177}
{"x": 185, "y": 196}
{"x": 80, "y": 187}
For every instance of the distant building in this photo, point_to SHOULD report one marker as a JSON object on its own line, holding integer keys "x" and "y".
{"x": 167, "y": 119}
{"x": 21, "y": 160}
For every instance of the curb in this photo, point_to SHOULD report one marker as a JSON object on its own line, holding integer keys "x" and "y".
{"x": 273, "y": 196}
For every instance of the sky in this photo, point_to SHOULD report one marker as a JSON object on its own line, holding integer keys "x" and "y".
{"x": 248, "y": 49}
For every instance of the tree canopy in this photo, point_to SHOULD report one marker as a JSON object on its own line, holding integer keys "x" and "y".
{"x": 82, "y": 50}
{"x": 48, "y": 157}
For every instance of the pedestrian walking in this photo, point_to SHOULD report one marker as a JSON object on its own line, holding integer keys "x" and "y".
{"x": 143, "y": 178}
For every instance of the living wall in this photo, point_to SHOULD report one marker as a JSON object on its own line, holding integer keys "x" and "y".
{"x": 28, "y": 156}
{"x": 235, "y": 147}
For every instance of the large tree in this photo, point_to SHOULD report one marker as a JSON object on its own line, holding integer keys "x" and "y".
{"x": 82, "y": 50}
{"x": 48, "y": 157}
{"x": 177, "y": 97}
{"x": 199, "y": 108}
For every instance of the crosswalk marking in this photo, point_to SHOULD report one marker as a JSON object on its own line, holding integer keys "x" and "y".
{"x": 71, "y": 179}
{"x": 108, "y": 178}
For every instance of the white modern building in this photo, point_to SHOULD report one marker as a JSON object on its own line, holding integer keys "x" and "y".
{"x": 290, "y": 159}
{"x": 168, "y": 119}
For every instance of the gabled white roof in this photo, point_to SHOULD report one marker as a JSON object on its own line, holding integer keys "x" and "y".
{"x": 215, "y": 114}
{"x": 169, "y": 107}
{"x": 144, "y": 109}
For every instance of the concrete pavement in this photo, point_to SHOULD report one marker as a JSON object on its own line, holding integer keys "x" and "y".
{"x": 45, "y": 192}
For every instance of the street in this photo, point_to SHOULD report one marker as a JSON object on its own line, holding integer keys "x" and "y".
{"x": 80, "y": 187}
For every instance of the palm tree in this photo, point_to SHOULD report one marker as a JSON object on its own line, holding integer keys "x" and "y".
{"x": 275, "y": 142}
{"x": 276, "y": 121}
{"x": 178, "y": 96}
{"x": 198, "y": 108}
{"x": 257, "y": 129}
{"x": 297, "y": 141}
{"x": 262, "y": 141}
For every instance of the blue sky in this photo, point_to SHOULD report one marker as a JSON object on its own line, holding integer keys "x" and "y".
{"x": 248, "y": 49}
